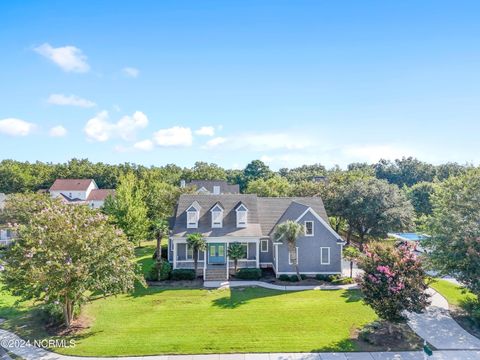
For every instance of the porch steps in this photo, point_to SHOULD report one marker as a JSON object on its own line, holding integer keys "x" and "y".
{"x": 216, "y": 274}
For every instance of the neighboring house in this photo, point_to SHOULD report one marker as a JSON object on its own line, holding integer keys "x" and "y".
{"x": 215, "y": 187}
{"x": 6, "y": 235}
{"x": 80, "y": 191}
{"x": 251, "y": 220}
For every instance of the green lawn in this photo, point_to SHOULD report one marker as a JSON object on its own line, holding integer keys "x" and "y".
{"x": 186, "y": 321}
{"x": 177, "y": 320}
{"x": 454, "y": 294}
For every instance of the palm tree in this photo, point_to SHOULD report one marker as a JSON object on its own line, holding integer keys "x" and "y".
{"x": 236, "y": 251}
{"x": 197, "y": 243}
{"x": 288, "y": 233}
{"x": 351, "y": 253}
{"x": 159, "y": 229}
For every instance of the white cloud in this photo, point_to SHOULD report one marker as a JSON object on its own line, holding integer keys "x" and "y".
{"x": 16, "y": 127}
{"x": 99, "y": 128}
{"x": 72, "y": 100}
{"x": 264, "y": 141}
{"x": 144, "y": 145}
{"x": 130, "y": 72}
{"x": 57, "y": 131}
{"x": 174, "y": 136}
{"x": 68, "y": 58}
{"x": 215, "y": 142}
{"x": 206, "y": 131}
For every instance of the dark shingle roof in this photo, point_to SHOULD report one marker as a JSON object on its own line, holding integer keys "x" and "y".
{"x": 225, "y": 188}
{"x": 263, "y": 213}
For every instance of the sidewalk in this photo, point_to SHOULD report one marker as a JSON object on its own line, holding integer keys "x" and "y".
{"x": 437, "y": 326}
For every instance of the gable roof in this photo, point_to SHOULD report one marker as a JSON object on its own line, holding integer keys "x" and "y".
{"x": 225, "y": 188}
{"x": 100, "y": 194}
{"x": 263, "y": 213}
{"x": 72, "y": 184}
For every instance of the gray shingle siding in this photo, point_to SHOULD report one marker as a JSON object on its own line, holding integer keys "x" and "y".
{"x": 309, "y": 250}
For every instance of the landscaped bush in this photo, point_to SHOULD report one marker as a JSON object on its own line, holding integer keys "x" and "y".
{"x": 159, "y": 271}
{"x": 303, "y": 276}
{"x": 284, "y": 277}
{"x": 293, "y": 278}
{"x": 343, "y": 281}
{"x": 249, "y": 274}
{"x": 183, "y": 274}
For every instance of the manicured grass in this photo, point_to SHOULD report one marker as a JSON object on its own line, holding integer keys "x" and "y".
{"x": 144, "y": 254}
{"x": 454, "y": 294}
{"x": 176, "y": 320}
{"x": 188, "y": 321}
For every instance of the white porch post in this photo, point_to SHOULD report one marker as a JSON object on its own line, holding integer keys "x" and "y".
{"x": 228, "y": 260}
{"x": 276, "y": 260}
{"x": 174, "y": 243}
{"x": 258, "y": 252}
{"x": 205, "y": 263}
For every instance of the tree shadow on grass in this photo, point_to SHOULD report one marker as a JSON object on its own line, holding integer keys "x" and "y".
{"x": 241, "y": 296}
{"x": 341, "y": 346}
{"x": 352, "y": 295}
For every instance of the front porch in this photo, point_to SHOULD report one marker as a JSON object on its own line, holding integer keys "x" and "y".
{"x": 214, "y": 263}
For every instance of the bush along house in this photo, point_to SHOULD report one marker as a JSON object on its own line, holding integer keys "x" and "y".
{"x": 250, "y": 220}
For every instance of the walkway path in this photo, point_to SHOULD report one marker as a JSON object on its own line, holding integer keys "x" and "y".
{"x": 437, "y": 326}
{"x": 236, "y": 283}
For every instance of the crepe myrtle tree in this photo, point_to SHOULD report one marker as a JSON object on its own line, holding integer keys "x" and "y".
{"x": 197, "y": 243}
{"x": 393, "y": 281}
{"x": 287, "y": 233}
{"x": 235, "y": 252}
{"x": 64, "y": 253}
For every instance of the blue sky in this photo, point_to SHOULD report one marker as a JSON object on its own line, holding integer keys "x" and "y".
{"x": 289, "y": 82}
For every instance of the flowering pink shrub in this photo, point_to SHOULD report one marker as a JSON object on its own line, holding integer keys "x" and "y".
{"x": 393, "y": 281}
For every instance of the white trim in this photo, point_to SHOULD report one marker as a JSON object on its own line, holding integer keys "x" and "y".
{"x": 313, "y": 228}
{"x": 323, "y": 222}
{"x": 257, "y": 254}
{"x": 174, "y": 255}
{"x": 237, "y": 210}
{"x": 266, "y": 264}
{"x": 191, "y": 225}
{"x": 276, "y": 257}
{"x": 321, "y": 257}
{"x": 220, "y": 210}
{"x": 289, "y": 260}
{"x": 261, "y": 248}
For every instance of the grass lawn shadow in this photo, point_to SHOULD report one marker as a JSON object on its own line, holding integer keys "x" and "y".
{"x": 242, "y": 296}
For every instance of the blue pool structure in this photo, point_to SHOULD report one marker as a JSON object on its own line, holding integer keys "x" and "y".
{"x": 412, "y": 238}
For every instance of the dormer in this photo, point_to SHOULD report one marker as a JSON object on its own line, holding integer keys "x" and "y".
{"x": 217, "y": 215}
{"x": 242, "y": 215}
{"x": 193, "y": 215}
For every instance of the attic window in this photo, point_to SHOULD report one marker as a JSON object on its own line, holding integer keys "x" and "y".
{"x": 216, "y": 190}
{"x": 217, "y": 216}
{"x": 242, "y": 216}
{"x": 193, "y": 214}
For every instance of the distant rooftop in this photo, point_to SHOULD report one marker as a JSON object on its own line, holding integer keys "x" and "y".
{"x": 71, "y": 184}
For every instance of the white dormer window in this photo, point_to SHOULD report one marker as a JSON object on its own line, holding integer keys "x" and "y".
{"x": 216, "y": 190}
{"x": 242, "y": 216}
{"x": 193, "y": 214}
{"x": 217, "y": 216}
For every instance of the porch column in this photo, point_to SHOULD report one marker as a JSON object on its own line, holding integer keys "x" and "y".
{"x": 258, "y": 252}
{"x": 228, "y": 260}
{"x": 174, "y": 243}
{"x": 205, "y": 263}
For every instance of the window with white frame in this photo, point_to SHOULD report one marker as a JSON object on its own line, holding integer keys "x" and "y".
{"x": 217, "y": 217}
{"x": 264, "y": 245}
{"x": 242, "y": 214}
{"x": 325, "y": 256}
{"x": 308, "y": 228}
{"x": 192, "y": 218}
{"x": 216, "y": 190}
{"x": 290, "y": 262}
{"x": 189, "y": 253}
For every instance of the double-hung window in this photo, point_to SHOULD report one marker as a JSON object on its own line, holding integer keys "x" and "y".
{"x": 309, "y": 228}
{"x": 325, "y": 256}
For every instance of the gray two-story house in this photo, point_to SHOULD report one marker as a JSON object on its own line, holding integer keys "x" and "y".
{"x": 251, "y": 220}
